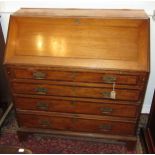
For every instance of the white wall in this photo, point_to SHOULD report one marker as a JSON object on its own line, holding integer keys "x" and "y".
{"x": 9, "y": 6}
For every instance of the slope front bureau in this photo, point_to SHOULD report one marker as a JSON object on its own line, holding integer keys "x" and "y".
{"x": 78, "y": 72}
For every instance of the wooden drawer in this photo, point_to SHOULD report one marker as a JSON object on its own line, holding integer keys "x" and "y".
{"x": 73, "y": 123}
{"x": 74, "y": 76}
{"x": 79, "y": 107}
{"x": 74, "y": 91}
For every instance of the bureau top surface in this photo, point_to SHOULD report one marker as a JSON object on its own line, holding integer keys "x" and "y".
{"x": 101, "y": 13}
{"x": 98, "y": 39}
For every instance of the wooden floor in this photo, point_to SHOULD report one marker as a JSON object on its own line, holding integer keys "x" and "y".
{"x": 13, "y": 150}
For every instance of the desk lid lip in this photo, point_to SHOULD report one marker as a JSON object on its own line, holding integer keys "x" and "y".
{"x": 77, "y": 63}
{"x": 82, "y": 13}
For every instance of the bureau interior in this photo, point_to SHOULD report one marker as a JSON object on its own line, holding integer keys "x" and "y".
{"x": 78, "y": 38}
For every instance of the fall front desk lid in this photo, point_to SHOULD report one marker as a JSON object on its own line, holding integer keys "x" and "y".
{"x": 101, "y": 39}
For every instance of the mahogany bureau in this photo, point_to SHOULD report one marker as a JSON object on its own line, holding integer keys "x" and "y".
{"x": 78, "y": 72}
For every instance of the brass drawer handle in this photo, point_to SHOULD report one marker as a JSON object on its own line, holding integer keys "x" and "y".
{"x": 41, "y": 90}
{"x": 105, "y": 127}
{"x": 44, "y": 123}
{"x": 109, "y": 79}
{"x": 74, "y": 120}
{"x": 106, "y": 110}
{"x": 39, "y": 75}
{"x": 73, "y": 75}
{"x": 106, "y": 94}
{"x": 42, "y": 106}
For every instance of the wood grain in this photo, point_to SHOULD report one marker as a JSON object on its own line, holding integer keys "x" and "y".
{"x": 76, "y": 124}
{"x": 85, "y": 42}
{"x": 79, "y": 107}
{"x": 63, "y": 64}
{"x": 74, "y": 91}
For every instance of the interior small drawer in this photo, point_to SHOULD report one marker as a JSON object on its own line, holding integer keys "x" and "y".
{"x": 78, "y": 107}
{"x": 73, "y": 123}
{"x": 75, "y": 91}
{"x": 73, "y": 76}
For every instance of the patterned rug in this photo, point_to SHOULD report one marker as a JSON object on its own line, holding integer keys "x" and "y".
{"x": 52, "y": 144}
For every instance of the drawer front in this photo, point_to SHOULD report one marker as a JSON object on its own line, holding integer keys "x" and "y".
{"x": 75, "y": 91}
{"x": 79, "y": 107}
{"x": 90, "y": 77}
{"x": 76, "y": 124}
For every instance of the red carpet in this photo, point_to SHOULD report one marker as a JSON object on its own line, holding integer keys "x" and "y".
{"x": 58, "y": 145}
{"x": 50, "y": 144}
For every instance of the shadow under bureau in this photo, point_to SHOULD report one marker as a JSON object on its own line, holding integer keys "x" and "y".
{"x": 78, "y": 72}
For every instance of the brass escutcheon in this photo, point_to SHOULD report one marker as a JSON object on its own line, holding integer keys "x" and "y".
{"x": 72, "y": 102}
{"x": 77, "y": 21}
{"x": 44, "y": 123}
{"x": 105, "y": 127}
{"x": 106, "y": 110}
{"x": 42, "y": 106}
